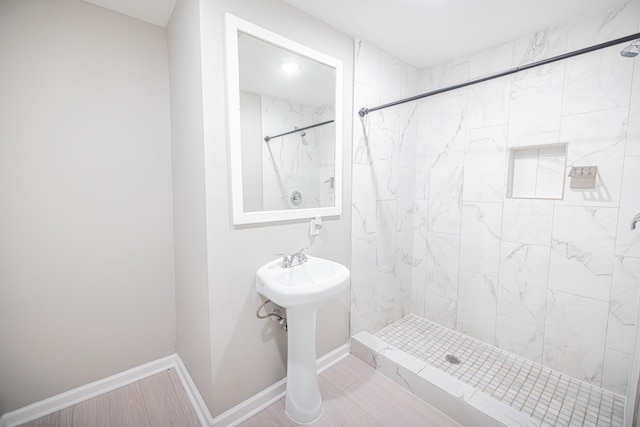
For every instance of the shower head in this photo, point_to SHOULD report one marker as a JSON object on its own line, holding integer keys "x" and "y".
{"x": 632, "y": 50}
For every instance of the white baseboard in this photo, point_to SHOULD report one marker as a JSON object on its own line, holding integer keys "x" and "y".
{"x": 194, "y": 395}
{"x": 251, "y": 406}
{"x": 333, "y": 357}
{"x": 232, "y": 417}
{"x": 85, "y": 392}
{"x": 269, "y": 396}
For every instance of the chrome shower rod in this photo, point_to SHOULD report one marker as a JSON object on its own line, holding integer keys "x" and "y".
{"x": 364, "y": 111}
{"x": 268, "y": 138}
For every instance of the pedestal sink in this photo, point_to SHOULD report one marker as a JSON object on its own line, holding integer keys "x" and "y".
{"x": 301, "y": 289}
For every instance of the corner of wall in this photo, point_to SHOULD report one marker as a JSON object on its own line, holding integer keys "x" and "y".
{"x": 189, "y": 205}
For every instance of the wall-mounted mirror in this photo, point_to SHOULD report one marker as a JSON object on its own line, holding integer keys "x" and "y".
{"x": 285, "y": 112}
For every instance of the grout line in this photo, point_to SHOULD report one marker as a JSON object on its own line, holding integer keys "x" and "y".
{"x": 533, "y": 389}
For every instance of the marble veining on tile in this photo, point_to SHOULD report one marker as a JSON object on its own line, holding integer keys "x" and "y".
{"x": 383, "y": 198}
{"x": 287, "y": 160}
{"x": 437, "y": 230}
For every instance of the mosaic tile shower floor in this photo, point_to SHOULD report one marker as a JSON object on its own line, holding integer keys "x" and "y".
{"x": 551, "y": 398}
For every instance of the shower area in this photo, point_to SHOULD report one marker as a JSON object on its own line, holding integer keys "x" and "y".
{"x": 492, "y": 250}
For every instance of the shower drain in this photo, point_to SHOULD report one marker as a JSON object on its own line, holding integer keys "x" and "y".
{"x": 452, "y": 359}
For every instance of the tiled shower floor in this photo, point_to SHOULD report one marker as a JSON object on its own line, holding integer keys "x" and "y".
{"x": 545, "y": 397}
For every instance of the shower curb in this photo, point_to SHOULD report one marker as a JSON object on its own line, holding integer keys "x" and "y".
{"x": 458, "y": 400}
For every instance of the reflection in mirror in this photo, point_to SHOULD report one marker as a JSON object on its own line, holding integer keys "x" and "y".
{"x": 281, "y": 92}
{"x": 285, "y": 145}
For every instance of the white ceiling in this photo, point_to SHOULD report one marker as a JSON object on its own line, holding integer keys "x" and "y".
{"x": 157, "y": 12}
{"x": 420, "y": 32}
{"x": 427, "y": 32}
{"x": 313, "y": 84}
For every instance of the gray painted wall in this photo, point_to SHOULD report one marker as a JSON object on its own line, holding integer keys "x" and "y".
{"x": 86, "y": 242}
{"x": 247, "y": 355}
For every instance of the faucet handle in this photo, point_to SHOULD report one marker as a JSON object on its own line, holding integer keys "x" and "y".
{"x": 286, "y": 260}
{"x": 301, "y": 257}
{"x": 303, "y": 249}
{"x": 634, "y": 221}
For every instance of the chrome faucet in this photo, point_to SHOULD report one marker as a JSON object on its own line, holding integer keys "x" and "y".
{"x": 288, "y": 260}
{"x": 634, "y": 221}
{"x": 299, "y": 256}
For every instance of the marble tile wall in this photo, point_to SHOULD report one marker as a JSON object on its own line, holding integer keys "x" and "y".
{"x": 556, "y": 281}
{"x": 384, "y": 146}
{"x": 295, "y": 162}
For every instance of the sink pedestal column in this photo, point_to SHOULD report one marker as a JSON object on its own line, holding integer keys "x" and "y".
{"x": 303, "y": 402}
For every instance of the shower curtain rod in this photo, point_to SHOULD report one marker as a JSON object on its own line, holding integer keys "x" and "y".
{"x": 364, "y": 111}
{"x": 267, "y": 138}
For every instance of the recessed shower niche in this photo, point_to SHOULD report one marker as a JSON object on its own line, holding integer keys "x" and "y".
{"x": 537, "y": 172}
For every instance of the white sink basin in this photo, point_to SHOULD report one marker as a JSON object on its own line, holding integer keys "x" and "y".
{"x": 301, "y": 289}
{"x": 310, "y": 284}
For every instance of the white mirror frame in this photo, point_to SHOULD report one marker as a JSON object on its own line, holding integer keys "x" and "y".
{"x": 234, "y": 25}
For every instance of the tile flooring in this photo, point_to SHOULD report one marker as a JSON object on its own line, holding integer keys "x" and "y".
{"x": 547, "y": 397}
